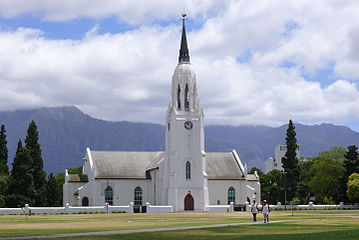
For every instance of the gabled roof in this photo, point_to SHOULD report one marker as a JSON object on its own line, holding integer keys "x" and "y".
{"x": 78, "y": 178}
{"x": 121, "y": 164}
{"x": 223, "y": 165}
{"x": 125, "y": 164}
{"x": 156, "y": 161}
{"x": 252, "y": 177}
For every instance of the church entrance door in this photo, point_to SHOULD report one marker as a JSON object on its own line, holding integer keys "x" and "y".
{"x": 188, "y": 202}
{"x": 85, "y": 201}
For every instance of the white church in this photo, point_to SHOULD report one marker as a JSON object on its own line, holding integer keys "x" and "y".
{"x": 183, "y": 176}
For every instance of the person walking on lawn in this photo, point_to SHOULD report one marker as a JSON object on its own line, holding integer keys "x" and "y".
{"x": 266, "y": 210}
{"x": 254, "y": 210}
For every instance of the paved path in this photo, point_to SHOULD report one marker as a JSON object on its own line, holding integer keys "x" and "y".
{"x": 130, "y": 231}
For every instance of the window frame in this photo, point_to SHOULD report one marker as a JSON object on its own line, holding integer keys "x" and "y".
{"x": 109, "y": 195}
{"x": 138, "y": 196}
{"x": 188, "y": 170}
{"x": 231, "y": 195}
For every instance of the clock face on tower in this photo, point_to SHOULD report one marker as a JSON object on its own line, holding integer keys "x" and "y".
{"x": 188, "y": 125}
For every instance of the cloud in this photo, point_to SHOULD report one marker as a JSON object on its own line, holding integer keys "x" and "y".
{"x": 129, "y": 11}
{"x": 113, "y": 72}
{"x": 127, "y": 76}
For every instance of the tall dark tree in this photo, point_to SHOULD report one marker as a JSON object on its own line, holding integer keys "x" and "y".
{"x": 351, "y": 161}
{"x": 351, "y": 165}
{"x": 4, "y": 180}
{"x": 303, "y": 190}
{"x": 290, "y": 162}
{"x": 21, "y": 188}
{"x": 52, "y": 191}
{"x": 4, "y": 169}
{"x": 39, "y": 175}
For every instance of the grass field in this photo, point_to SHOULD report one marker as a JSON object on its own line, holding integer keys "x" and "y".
{"x": 302, "y": 225}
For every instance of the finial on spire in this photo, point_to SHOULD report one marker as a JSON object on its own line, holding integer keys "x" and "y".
{"x": 183, "y": 52}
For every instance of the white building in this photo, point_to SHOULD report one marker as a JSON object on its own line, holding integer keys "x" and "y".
{"x": 276, "y": 162}
{"x": 183, "y": 176}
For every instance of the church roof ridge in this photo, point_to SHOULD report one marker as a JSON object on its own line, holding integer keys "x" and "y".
{"x": 124, "y": 151}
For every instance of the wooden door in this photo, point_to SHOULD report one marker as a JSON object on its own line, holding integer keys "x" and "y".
{"x": 188, "y": 202}
{"x": 85, "y": 201}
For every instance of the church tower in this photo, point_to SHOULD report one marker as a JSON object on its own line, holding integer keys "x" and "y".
{"x": 185, "y": 178}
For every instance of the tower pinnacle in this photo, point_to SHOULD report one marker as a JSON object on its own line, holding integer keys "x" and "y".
{"x": 183, "y": 52}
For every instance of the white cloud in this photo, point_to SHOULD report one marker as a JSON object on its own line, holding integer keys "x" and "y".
{"x": 127, "y": 76}
{"x": 130, "y": 11}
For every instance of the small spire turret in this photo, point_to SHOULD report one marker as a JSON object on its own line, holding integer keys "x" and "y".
{"x": 183, "y": 52}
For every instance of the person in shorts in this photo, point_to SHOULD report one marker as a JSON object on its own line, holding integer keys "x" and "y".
{"x": 265, "y": 211}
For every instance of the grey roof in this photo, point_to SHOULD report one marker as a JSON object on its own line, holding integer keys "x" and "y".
{"x": 251, "y": 177}
{"x": 158, "y": 158}
{"x": 121, "y": 164}
{"x": 222, "y": 165}
{"x": 124, "y": 164}
{"x": 78, "y": 178}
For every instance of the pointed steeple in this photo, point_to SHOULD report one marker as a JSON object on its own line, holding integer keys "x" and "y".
{"x": 183, "y": 52}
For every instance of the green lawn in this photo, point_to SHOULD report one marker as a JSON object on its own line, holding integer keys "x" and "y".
{"x": 303, "y": 225}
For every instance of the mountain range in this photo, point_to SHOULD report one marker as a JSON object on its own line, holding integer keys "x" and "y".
{"x": 65, "y": 132}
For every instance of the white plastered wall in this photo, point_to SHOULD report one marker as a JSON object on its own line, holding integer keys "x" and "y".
{"x": 218, "y": 190}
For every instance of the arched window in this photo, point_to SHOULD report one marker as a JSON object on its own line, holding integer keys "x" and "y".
{"x": 186, "y": 98}
{"x": 179, "y": 97}
{"x": 109, "y": 195}
{"x": 188, "y": 170}
{"x": 231, "y": 195}
{"x": 138, "y": 196}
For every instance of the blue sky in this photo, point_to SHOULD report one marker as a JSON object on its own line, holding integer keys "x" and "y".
{"x": 257, "y": 62}
{"x": 72, "y": 29}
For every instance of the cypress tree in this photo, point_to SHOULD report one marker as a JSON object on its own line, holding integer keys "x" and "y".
{"x": 290, "y": 161}
{"x": 39, "y": 175}
{"x": 52, "y": 191}
{"x": 351, "y": 165}
{"x": 4, "y": 169}
{"x": 351, "y": 161}
{"x": 21, "y": 188}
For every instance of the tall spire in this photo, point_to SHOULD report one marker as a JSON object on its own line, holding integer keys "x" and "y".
{"x": 183, "y": 52}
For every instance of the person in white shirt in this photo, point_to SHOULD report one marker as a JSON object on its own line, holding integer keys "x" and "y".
{"x": 266, "y": 210}
{"x": 254, "y": 210}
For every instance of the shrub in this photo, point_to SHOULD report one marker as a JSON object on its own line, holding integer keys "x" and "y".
{"x": 17, "y": 200}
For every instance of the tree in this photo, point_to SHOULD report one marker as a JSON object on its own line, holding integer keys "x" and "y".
{"x": 253, "y": 169}
{"x": 351, "y": 161}
{"x": 290, "y": 161}
{"x": 21, "y": 187}
{"x": 4, "y": 169}
{"x": 353, "y": 187}
{"x": 3, "y": 189}
{"x": 60, "y": 180}
{"x": 327, "y": 171}
{"x": 39, "y": 175}
{"x": 271, "y": 183}
{"x": 52, "y": 192}
{"x": 303, "y": 191}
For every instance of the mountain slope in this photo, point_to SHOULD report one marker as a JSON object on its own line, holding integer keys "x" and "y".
{"x": 65, "y": 132}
